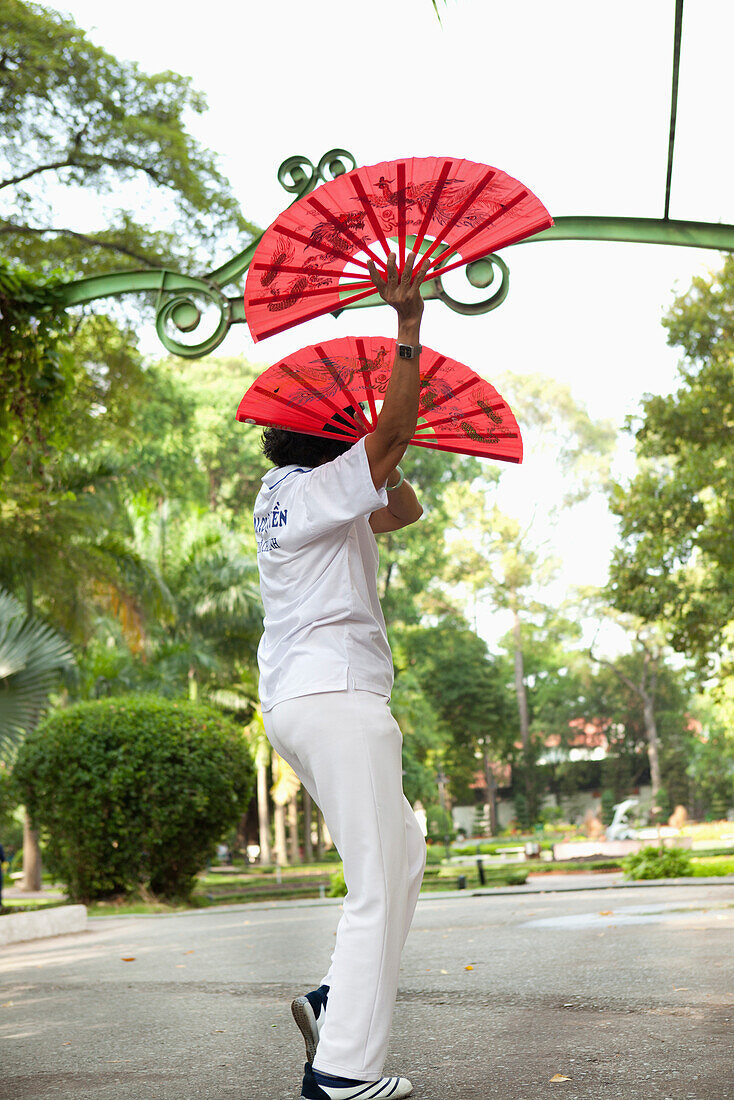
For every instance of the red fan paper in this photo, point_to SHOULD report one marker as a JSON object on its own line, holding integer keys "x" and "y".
{"x": 335, "y": 390}
{"x": 313, "y": 258}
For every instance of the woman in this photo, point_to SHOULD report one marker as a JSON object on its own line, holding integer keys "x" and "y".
{"x": 325, "y": 680}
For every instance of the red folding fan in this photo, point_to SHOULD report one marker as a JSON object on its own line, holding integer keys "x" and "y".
{"x": 313, "y": 258}
{"x": 335, "y": 390}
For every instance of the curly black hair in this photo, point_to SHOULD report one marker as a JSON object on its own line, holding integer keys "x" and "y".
{"x": 284, "y": 448}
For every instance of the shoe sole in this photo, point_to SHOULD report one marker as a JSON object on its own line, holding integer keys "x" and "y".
{"x": 362, "y": 1092}
{"x": 304, "y": 1016}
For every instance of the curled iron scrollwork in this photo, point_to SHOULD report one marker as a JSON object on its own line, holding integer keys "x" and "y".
{"x": 481, "y": 274}
{"x": 335, "y": 163}
{"x": 182, "y": 311}
{"x": 297, "y": 175}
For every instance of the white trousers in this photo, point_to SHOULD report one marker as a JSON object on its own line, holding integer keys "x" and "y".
{"x": 345, "y": 747}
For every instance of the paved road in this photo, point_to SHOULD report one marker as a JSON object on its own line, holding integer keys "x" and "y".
{"x": 629, "y": 993}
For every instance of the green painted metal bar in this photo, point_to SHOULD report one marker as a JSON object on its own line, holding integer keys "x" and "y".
{"x": 639, "y": 231}
{"x": 180, "y": 298}
{"x": 128, "y": 282}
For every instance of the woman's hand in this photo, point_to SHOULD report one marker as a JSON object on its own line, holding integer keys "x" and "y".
{"x": 404, "y": 293}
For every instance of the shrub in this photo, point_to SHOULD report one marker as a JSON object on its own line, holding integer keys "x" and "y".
{"x": 338, "y": 888}
{"x": 133, "y": 792}
{"x": 653, "y": 862}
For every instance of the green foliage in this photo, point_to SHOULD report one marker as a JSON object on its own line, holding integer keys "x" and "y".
{"x": 675, "y": 564}
{"x": 608, "y": 803}
{"x": 653, "y": 862}
{"x": 703, "y": 868}
{"x": 34, "y": 371}
{"x": 522, "y": 812}
{"x": 133, "y": 791}
{"x": 76, "y": 118}
{"x": 31, "y": 656}
{"x": 11, "y": 826}
{"x": 440, "y": 825}
{"x": 664, "y": 807}
{"x": 466, "y": 693}
{"x": 416, "y": 561}
{"x": 338, "y": 888}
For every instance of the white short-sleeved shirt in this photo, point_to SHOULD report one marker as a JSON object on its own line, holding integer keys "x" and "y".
{"x": 318, "y": 559}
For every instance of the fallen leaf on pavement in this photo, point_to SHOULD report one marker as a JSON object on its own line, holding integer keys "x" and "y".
{"x": 128, "y": 958}
{"x": 468, "y": 968}
{"x": 560, "y": 1077}
{"x": 606, "y": 912}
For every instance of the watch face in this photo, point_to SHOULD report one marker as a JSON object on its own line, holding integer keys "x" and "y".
{"x": 405, "y": 351}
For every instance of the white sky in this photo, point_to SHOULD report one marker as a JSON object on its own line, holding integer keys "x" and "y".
{"x": 571, "y": 97}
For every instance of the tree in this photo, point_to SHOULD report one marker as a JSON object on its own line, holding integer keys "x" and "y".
{"x": 261, "y": 753}
{"x": 645, "y": 702}
{"x": 675, "y": 565}
{"x": 285, "y": 788}
{"x": 415, "y": 561}
{"x": 35, "y": 373}
{"x": 467, "y": 691}
{"x": 497, "y": 557}
{"x": 31, "y": 656}
{"x": 76, "y": 119}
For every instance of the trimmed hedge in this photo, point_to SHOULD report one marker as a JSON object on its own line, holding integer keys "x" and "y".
{"x": 133, "y": 792}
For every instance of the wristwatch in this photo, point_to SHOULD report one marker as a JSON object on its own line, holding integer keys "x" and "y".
{"x": 409, "y": 351}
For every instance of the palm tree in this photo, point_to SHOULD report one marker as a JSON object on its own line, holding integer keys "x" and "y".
{"x": 66, "y": 547}
{"x": 31, "y": 656}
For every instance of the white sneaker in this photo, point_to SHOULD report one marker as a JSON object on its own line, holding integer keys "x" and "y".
{"x": 394, "y": 1087}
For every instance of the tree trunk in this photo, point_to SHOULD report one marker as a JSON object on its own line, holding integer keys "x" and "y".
{"x": 280, "y": 850}
{"x": 653, "y": 745}
{"x": 263, "y": 815}
{"x": 31, "y": 857}
{"x": 491, "y": 793}
{"x": 295, "y": 852}
{"x": 520, "y": 692}
{"x": 193, "y": 686}
{"x": 522, "y": 709}
{"x": 319, "y": 836}
{"x": 307, "y": 821}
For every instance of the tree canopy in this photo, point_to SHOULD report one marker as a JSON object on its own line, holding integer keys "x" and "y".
{"x": 675, "y": 564}
{"x": 76, "y": 119}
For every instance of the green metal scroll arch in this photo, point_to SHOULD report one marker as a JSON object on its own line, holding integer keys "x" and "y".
{"x": 177, "y": 294}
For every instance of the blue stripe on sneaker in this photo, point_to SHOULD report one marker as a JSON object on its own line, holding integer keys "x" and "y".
{"x": 382, "y": 1090}
{"x": 392, "y": 1090}
{"x": 366, "y": 1090}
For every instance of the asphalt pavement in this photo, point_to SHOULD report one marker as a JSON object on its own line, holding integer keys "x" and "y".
{"x": 623, "y": 994}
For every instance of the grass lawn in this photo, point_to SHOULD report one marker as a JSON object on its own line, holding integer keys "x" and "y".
{"x": 230, "y": 887}
{"x": 714, "y": 865}
{"x": 20, "y": 905}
